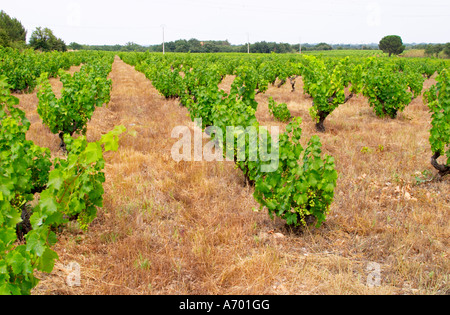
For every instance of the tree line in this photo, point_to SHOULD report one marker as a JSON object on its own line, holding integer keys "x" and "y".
{"x": 13, "y": 34}
{"x": 392, "y": 45}
{"x": 212, "y": 46}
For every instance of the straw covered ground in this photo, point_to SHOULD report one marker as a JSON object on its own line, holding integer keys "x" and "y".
{"x": 190, "y": 228}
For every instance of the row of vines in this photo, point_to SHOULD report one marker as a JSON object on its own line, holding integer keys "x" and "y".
{"x": 302, "y": 186}
{"x": 40, "y": 194}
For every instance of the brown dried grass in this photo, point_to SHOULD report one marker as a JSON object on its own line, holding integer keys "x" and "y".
{"x": 189, "y": 228}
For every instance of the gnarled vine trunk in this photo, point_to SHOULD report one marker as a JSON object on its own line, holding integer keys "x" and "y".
{"x": 443, "y": 169}
{"x": 24, "y": 227}
{"x": 320, "y": 127}
{"x": 292, "y": 81}
{"x": 323, "y": 115}
{"x": 63, "y": 145}
{"x": 281, "y": 83}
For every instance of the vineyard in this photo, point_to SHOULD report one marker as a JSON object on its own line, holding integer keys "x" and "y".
{"x": 356, "y": 177}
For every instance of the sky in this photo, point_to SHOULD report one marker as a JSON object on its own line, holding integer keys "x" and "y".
{"x": 99, "y": 22}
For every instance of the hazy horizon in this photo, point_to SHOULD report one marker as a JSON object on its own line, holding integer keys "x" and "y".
{"x": 331, "y": 21}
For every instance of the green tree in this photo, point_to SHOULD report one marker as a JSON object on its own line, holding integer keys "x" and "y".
{"x": 75, "y": 46}
{"x": 130, "y": 46}
{"x": 4, "y": 41}
{"x": 194, "y": 45}
{"x": 392, "y": 44}
{"x": 323, "y": 46}
{"x": 59, "y": 45}
{"x": 45, "y": 40}
{"x": 40, "y": 39}
{"x": 447, "y": 50}
{"x": 434, "y": 49}
{"x": 12, "y": 32}
{"x": 181, "y": 46}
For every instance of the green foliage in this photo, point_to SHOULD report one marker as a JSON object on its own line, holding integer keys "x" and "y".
{"x": 248, "y": 83}
{"x": 81, "y": 94}
{"x": 428, "y": 68}
{"x": 447, "y": 50}
{"x": 422, "y": 177}
{"x": 431, "y": 94}
{"x": 323, "y": 46}
{"x": 326, "y": 84}
{"x": 392, "y": 44}
{"x": 18, "y": 68}
{"x": 279, "y": 111}
{"x": 73, "y": 188}
{"x": 75, "y": 184}
{"x": 206, "y": 99}
{"x": 439, "y": 104}
{"x": 297, "y": 190}
{"x": 415, "y": 83}
{"x": 167, "y": 81}
{"x": 24, "y": 167}
{"x": 386, "y": 89}
{"x": 23, "y": 68}
{"x": 434, "y": 49}
{"x": 45, "y": 40}
{"x": 27, "y": 162}
{"x": 325, "y": 87}
{"x": 11, "y": 31}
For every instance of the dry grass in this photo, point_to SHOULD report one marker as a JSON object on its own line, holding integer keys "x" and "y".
{"x": 189, "y": 228}
{"x": 420, "y": 53}
{"x": 414, "y": 53}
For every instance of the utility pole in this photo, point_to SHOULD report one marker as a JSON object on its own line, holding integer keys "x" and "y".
{"x": 248, "y": 43}
{"x": 300, "y": 45}
{"x": 164, "y": 48}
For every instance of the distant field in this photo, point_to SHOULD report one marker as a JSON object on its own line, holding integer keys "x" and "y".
{"x": 412, "y": 53}
{"x": 418, "y": 53}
